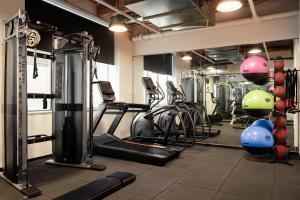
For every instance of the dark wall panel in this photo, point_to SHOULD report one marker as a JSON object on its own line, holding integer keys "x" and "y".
{"x": 161, "y": 63}
{"x": 71, "y": 23}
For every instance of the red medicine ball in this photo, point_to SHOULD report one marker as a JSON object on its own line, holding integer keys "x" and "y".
{"x": 281, "y": 152}
{"x": 280, "y": 106}
{"x": 279, "y": 78}
{"x": 280, "y": 122}
{"x": 279, "y": 91}
{"x": 280, "y": 136}
{"x": 278, "y": 66}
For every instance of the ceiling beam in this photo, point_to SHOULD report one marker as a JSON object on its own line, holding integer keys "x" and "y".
{"x": 204, "y": 57}
{"x": 282, "y": 26}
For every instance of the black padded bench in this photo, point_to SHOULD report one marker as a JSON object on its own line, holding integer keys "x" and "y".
{"x": 100, "y": 188}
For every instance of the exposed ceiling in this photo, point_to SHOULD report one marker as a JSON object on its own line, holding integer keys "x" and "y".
{"x": 175, "y": 15}
{"x": 236, "y": 54}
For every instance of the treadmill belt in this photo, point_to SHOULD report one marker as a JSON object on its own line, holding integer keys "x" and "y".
{"x": 108, "y": 145}
{"x": 160, "y": 152}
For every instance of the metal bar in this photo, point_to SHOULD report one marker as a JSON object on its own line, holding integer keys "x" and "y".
{"x": 204, "y": 57}
{"x": 128, "y": 16}
{"x": 266, "y": 51}
{"x": 77, "y": 11}
{"x": 39, "y": 96}
{"x": 252, "y": 8}
{"x": 182, "y": 24}
{"x": 174, "y": 12}
{"x": 198, "y": 9}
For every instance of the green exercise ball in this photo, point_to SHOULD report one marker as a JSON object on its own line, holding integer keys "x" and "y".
{"x": 258, "y": 103}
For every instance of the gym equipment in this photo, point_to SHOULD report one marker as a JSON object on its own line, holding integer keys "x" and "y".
{"x": 280, "y": 121}
{"x": 72, "y": 119}
{"x": 109, "y": 145}
{"x": 264, "y": 124}
{"x": 192, "y": 83}
{"x": 100, "y": 188}
{"x": 291, "y": 86}
{"x": 215, "y": 117}
{"x": 279, "y": 91}
{"x": 257, "y": 140}
{"x": 278, "y": 65}
{"x": 177, "y": 98}
{"x": 280, "y": 136}
{"x": 165, "y": 129}
{"x": 255, "y": 69}
{"x": 279, "y": 78}
{"x": 281, "y": 152}
{"x": 258, "y": 103}
{"x": 196, "y": 110}
{"x": 280, "y": 106}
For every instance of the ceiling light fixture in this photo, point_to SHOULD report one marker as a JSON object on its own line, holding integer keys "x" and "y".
{"x": 117, "y": 24}
{"x": 186, "y": 57}
{"x": 254, "y": 51}
{"x": 210, "y": 68}
{"x": 229, "y": 5}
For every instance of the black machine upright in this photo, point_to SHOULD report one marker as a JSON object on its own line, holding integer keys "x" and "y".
{"x": 72, "y": 123}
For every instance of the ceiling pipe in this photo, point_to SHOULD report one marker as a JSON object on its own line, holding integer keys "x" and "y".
{"x": 267, "y": 52}
{"x": 77, "y": 11}
{"x": 204, "y": 57}
{"x": 253, "y": 11}
{"x": 128, "y": 16}
{"x": 222, "y": 24}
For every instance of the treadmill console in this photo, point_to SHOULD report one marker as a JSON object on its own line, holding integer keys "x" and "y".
{"x": 149, "y": 85}
{"x": 106, "y": 90}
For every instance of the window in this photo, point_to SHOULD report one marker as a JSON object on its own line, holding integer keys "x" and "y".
{"x": 161, "y": 79}
{"x": 41, "y": 84}
{"x": 106, "y": 72}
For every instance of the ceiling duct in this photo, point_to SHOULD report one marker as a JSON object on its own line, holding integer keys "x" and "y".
{"x": 173, "y": 14}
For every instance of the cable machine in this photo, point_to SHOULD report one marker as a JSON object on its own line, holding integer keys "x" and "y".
{"x": 72, "y": 121}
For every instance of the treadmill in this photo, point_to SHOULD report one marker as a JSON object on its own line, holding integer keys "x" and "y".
{"x": 109, "y": 145}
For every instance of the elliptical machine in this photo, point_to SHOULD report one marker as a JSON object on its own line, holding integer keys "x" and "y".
{"x": 216, "y": 117}
{"x": 177, "y": 98}
{"x": 144, "y": 128}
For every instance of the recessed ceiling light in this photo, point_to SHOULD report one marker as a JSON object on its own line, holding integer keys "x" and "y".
{"x": 186, "y": 57}
{"x": 254, "y": 51}
{"x": 229, "y": 5}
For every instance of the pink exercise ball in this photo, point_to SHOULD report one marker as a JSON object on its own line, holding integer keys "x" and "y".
{"x": 256, "y": 70}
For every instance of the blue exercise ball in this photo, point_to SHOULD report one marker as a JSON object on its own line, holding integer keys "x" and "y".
{"x": 264, "y": 124}
{"x": 257, "y": 140}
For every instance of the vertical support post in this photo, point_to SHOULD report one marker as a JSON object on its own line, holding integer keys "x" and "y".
{"x": 297, "y": 115}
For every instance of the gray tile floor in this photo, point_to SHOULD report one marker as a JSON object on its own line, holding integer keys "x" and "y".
{"x": 200, "y": 173}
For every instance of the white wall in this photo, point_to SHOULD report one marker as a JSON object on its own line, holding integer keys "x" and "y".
{"x": 7, "y": 10}
{"x": 124, "y": 62}
{"x": 138, "y": 72}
